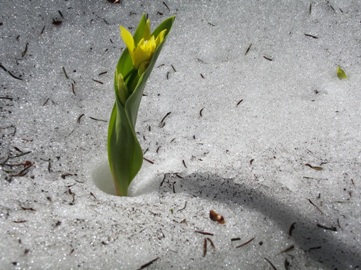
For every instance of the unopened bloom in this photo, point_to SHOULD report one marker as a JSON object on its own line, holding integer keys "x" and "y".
{"x": 135, "y": 64}
{"x": 142, "y": 52}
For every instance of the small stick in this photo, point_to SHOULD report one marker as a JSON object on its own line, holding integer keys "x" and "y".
{"x": 249, "y": 47}
{"x": 273, "y": 267}
{"x": 200, "y": 112}
{"x": 166, "y": 5}
{"x": 245, "y": 243}
{"x": 173, "y": 68}
{"x": 151, "y": 162}
{"x": 211, "y": 242}
{"x": 315, "y": 206}
{"x": 317, "y": 168}
{"x": 185, "y": 205}
{"x": 64, "y": 175}
{"x": 236, "y": 239}
{"x": 239, "y": 102}
{"x": 20, "y": 221}
{"x": 292, "y": 227}
{"x": 80, "y": 116}
{"x": 334, "y": 229}
{"x": 73, "y": 88}
{"x": 163, "y": 180}
{"x": 287, "y": 249}
{"x": 267, "y": 58}
{"x": 204, "y": 247}
{"x": 23, "y": 154}
{"x": 8, "y": 98}
{"x": 24, "y": 171}
{"x": 312, "y": 36}
{"x": 72, "y": 194}
{"x": 46, "y": 101}
{"x": 168, "y": 113}
{"x": 204, "y": 233}
{"x": 49, "y": 166}
{"x": 98, "y": 81}
{"x": 25, "y": 50}
{"x": 66, "y": 75}
{"x": 184, "y": 163}
{"x": 328, "y": 2}
{"x": 148, "y": 263}
{"x": 27, "y": 208}
{"x": 313, "y": 248}
{"x": 12, "y": 75}
{"x": 92, "y": 118}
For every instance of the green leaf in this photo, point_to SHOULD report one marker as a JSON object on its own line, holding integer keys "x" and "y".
{"x": 341, "y": 73}
{"x": 124, "y": 151}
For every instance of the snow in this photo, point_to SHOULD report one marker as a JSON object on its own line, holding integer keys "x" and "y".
{"x": 256, "y": 110}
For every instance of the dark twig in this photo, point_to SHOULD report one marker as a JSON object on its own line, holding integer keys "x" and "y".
{"x": 245, "y": 243}
{"x": 273, "y": 267}
{"x": 204, "y": 233}
{"x": 151, "y": 162}
{"x": 92, "y": 118}
{"x": 66, "y": 75}
{"x": 334, "y": 229}
{"x": 148, "y": 263}
{"x": 12, "y": 75}
{"x": 168, "y": 113}
{"x": 166, "y": 5}
{"x": 25, "y": 50}
{"x": 312, "y": 36}
{"x": 315, "y": 206}
{"x": 249, "y": 47}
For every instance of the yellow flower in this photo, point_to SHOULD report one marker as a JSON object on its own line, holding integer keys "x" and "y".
{"x": 142, "y": 52}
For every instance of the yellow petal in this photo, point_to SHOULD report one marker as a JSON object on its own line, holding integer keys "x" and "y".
{"x": 143, "y": 52}
{"x": 128, "y": 39}
{"x": 160, "y": 37}
{"x": 146, "y": 34}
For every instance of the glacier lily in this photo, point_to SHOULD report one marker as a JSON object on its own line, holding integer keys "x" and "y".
{"x": 142, "y": 52}
{"x": 125, "y": 155}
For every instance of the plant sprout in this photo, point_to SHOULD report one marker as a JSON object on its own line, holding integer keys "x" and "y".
{"x": 341, "y": 74}
{"x": 125, "y": 155}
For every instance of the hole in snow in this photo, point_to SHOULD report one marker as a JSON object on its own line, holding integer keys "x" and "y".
{"x": 102, "y": 177}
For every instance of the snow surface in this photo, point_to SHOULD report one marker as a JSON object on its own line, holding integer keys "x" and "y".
{"x": 260, "y": 129}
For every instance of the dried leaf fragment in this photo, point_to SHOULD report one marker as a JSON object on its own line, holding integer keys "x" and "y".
{"x": 213, "y": 215}
{"x": 317, "y": 168}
